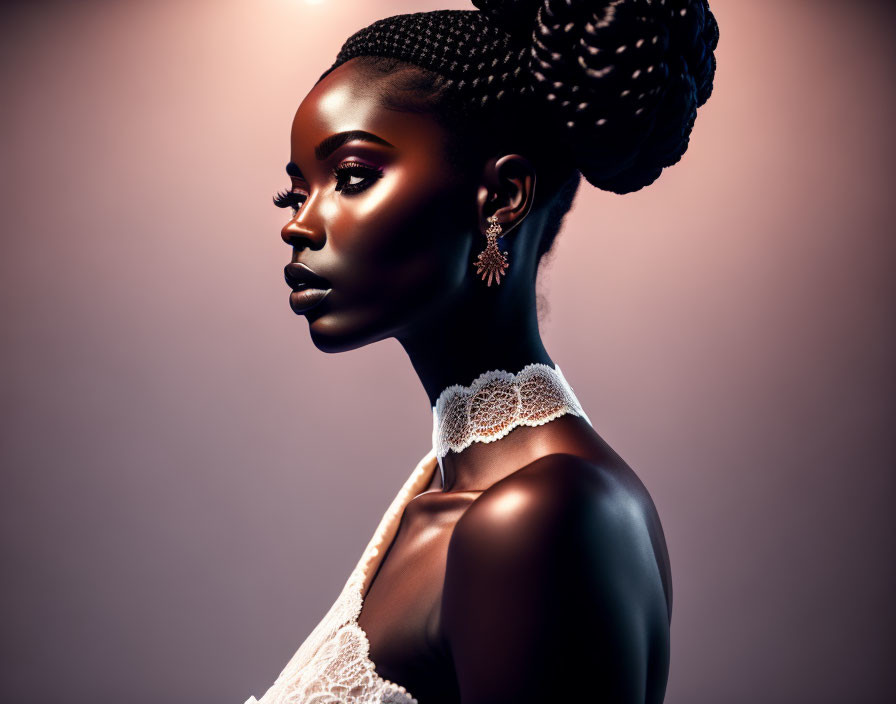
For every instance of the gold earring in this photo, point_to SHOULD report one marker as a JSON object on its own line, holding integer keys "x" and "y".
{"x": 491, "y": 261}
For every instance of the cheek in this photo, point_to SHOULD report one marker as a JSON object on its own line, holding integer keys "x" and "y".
{"x": 405, "y": 236}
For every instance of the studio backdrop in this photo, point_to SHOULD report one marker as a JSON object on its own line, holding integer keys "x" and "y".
{"x": 187, "y": 481}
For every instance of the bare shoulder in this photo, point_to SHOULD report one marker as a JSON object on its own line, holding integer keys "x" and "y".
{"x": 558, "y": 495}
{"x": 552, "y": 572}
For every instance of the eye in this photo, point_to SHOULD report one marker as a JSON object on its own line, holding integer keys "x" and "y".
{"x": 290, "y": 199}
{"x": 352, "y": 177}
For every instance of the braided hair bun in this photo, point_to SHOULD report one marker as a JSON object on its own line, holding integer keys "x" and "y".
{"x": 614, "y": 85}
{"x": 622, "y": 79}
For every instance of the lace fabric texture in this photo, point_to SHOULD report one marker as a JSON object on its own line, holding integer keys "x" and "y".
{"x": 499, "y": 401}
{"x": 333, "y": 665}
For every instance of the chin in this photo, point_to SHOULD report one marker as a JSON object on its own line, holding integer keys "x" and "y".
{"x": 333, "y": 333}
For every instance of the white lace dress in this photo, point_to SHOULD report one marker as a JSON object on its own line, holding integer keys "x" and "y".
{"x": 332, "y": 665}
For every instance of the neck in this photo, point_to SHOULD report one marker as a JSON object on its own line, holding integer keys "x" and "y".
{"x": 457, "y": 347}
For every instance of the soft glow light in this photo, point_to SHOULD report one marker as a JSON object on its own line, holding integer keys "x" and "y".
{"x": 509, "y": 503}
{"x": 313, "y": 2}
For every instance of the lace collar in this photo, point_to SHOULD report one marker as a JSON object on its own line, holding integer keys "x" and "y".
{"x": 497, "y": 402}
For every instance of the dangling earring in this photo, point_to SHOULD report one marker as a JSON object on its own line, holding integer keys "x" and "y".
{"x": 491, "y": 261}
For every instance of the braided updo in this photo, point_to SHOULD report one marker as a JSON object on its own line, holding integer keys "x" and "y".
{"x": 605, "y": 88}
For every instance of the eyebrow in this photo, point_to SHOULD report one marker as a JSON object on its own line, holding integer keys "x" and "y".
{"x": 333, "y": 142}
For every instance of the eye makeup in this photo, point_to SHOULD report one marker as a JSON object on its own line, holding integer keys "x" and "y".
{"x": 351, "y": 177}
{"x": 347, "y": 171}
{"x": 290, "y": 199}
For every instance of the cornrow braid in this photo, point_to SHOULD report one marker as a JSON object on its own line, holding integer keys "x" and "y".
{"x": 608, "y": 89}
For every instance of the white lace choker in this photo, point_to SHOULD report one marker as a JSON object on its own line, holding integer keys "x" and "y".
{"x": 496, "y": 403}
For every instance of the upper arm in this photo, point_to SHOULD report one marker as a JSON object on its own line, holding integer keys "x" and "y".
{"x": 552, "y": 592}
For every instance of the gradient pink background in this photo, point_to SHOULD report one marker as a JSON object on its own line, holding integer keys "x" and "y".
{"x": 187, "y": 481}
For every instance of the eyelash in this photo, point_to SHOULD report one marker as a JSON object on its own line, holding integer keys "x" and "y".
{"x": 345, "y": 170}
{"x": 348, "y": 169}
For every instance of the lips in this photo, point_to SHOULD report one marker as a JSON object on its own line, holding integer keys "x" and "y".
{"x": 300, "y": 277}
{"x": 308, "y": 288}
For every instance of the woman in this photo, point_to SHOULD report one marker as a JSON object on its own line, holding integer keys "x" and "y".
{"x": 431, "y": 166}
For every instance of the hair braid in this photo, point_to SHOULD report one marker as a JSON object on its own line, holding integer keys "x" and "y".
{"x": 609, "y": 88}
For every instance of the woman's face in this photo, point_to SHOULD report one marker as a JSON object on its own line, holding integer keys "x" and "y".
{"x": 381, "y": 217}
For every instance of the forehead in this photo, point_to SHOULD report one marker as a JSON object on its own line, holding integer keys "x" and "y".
{"x": 349, "y": 98}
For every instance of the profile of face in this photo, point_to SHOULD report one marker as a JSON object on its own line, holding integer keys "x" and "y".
{"x": 379, "y": 214}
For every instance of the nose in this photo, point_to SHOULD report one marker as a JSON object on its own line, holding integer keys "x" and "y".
{"x": 299, "y": 232}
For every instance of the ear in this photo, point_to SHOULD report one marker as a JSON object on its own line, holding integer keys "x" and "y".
{"x": 507, "y": 190}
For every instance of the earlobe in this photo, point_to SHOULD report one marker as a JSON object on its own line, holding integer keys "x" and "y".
{"x": 504, "y": 199}
{"x": 507, "y": 190}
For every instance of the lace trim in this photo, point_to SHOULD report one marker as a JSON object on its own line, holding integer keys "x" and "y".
{"x": 497, "y": 402}
{"x": 333, "y": 665}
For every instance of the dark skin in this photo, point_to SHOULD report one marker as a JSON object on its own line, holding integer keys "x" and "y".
{"x": 538, "y": 571}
